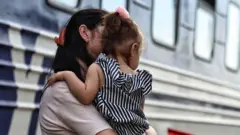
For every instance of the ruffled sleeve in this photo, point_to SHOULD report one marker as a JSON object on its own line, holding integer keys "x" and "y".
{"x": 146, "y": 79}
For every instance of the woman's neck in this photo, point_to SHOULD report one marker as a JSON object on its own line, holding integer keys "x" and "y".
{"x": 83, "y": 67}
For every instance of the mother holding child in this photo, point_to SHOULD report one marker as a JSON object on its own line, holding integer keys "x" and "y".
{"x": 109, "y": 93}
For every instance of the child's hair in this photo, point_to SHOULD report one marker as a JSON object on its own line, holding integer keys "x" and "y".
{"x": 121, "y": 33}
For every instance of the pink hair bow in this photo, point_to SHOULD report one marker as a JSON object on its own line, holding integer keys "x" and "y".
{"x": 123, "y": 13}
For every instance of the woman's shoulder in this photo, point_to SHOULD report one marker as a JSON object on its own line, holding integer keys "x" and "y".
{"x": 58, "y": 92}
{"x": 56, "y": 87}
{"x": 50, "y": 92}
{"x": 60, "y": 85}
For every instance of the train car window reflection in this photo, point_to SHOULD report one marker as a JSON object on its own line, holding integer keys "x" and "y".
{"x": 68, "y": 3}
{"x": 111, "y": 5}
{"x": 69, "y": 6}
{"x": 232, "y": 44}
{"x": 164, "y": 18}
{"x": 204, "y": 34}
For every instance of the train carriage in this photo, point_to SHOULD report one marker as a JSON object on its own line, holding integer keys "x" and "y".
{"x": 192, "y": 50}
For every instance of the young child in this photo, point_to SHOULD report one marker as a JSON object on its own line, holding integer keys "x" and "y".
{"x": 112, "y": 84}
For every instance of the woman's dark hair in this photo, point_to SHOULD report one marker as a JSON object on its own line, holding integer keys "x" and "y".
{"x": 74, "y": 46}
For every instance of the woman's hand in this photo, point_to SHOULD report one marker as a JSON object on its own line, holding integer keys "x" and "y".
{"x": 59, "y": 76}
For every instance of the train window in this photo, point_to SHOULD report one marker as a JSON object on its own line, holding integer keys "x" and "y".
{"x": 65, "y": 5}
{"x": 163, "y": 22}
{"x": 232, "y": 43}
{"x": 204, "y": 34}
{"x": 111, "y": 5}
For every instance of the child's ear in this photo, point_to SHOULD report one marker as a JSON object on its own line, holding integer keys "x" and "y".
{"x": 134, "y": 49}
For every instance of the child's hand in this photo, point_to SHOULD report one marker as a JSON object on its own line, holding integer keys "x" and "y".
{"x": 56, "y": 77}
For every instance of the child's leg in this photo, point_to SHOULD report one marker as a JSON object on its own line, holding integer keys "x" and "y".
{"x": 107, "y": 132}
{"x": 151, "y": 131}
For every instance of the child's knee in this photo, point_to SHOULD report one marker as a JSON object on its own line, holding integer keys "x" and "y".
{"x": 151, "y": 131}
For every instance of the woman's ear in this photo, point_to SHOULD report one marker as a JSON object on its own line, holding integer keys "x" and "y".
{"x": 85, "y": 33}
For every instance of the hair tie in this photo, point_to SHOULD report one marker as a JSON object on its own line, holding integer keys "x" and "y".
{"x": 123, "y": 13}
{"x": 60, "y": 40}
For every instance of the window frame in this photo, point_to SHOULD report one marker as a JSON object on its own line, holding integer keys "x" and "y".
{"x": 64, "y": 8}
{"x": 176, "y": 25}
{"x": 199, "y": 5}
{"x": 225, "y": 52}
{"x": 101, "y": 4}
{"x": 142, "y": 4}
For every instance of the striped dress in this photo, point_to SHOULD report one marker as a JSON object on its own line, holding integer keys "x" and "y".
{"x": 120, "y": 99}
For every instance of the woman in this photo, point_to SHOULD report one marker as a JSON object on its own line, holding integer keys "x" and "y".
{"x": 60, "y": 113}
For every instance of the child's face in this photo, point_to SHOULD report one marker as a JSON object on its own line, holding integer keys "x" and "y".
{"x": 136, "y": 51}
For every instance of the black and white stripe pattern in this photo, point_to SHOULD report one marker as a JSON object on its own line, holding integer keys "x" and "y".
{"x": 120, "y": 99}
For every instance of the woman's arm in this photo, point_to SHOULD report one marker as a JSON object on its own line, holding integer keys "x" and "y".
{"x": 84, "y": 93}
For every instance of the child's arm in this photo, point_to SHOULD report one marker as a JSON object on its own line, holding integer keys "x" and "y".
{"x": 84, "y": 93}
